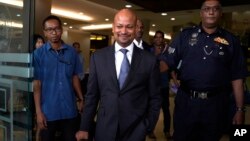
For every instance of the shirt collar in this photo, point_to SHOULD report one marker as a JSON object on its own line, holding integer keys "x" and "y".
{"x": 139, "y": 44}
{"x": 129, "y": 47}
{"x": 200, "y": 29}
{"x": 48, "y": 46}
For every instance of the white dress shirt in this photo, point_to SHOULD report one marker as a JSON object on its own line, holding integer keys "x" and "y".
{"x": 138, "y": 44}
{"x": 119, "y": 56}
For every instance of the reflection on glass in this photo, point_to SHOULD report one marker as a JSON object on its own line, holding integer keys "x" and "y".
{"x": 3, "y": 133}
{"x": 18, "y": 3}
{"x": 11, "y": 29}
{"x": 15, "y": 74}
{"x": 3, "y": 99}
{"x": 5, "y": 93}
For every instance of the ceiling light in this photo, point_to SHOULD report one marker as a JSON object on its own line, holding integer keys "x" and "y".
{"x": 81, "y": 13}
{"x": 70, "y": 27}
{"x": 107, "y": 19}
{"x": 70, "y": 14}
{"x": 172, "y": 19}
{"x": 128, "y": 6}
{"x": 92, "y": 37}
{"x": 151, "y": 33}
{"x": 99, "y": 38}
{"x": 65, "y": 23}
{"x": 153, "y": 25}
{"x": 18, "y": 15}
{"x": 164, "y": 14}
{"x": 96, "y": 27}
{"x": 13, "y": 2}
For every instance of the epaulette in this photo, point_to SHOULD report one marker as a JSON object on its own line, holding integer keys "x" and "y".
{"x": 188, "y": 28}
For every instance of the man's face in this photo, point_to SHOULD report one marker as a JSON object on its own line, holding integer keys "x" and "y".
{"x": 53, "y": 31}
{"x": 124, "y": 28}
{"x": 210, "y": 13}
{"x": 77, "y": 47}
{"x": 158, "y": 39}
{"x": 139, "y": 30}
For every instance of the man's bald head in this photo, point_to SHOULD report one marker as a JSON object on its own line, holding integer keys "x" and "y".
{"x": 124, "y": 27}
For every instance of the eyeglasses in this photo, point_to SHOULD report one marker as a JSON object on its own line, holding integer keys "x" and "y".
{"x": 214, "y": 9}
{"x": 52, "y": 30}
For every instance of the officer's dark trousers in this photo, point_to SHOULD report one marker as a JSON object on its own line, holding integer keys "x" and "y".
{"x": 67, "y": 128}
{"x": 165, "y": 109}
{"x": 199, "y": 119}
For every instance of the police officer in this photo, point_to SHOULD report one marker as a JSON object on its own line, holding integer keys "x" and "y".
{"x": 210, "y": 62}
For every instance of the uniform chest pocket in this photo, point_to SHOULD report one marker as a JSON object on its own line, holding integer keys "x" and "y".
{"x": 221, "y": 53}
{"x": 69, "y": 69}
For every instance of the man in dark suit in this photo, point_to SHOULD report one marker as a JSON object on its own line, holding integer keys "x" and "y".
{"x": 138, "y": 36}
{"x": 126, "y": 111}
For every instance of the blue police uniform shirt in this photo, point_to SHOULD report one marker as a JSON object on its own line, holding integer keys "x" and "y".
{"x": 206, "y": 61}
{"x": 164, "y": 76}
{"x": 55, "y": 71}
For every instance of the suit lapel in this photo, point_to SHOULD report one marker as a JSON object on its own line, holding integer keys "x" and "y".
{"x": 136, "y": 58}
{"x": 111, "y": 66}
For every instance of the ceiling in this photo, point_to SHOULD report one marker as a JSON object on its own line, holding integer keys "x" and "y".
{"x": 149, "y": 11}
{"x": 179, "y": 5}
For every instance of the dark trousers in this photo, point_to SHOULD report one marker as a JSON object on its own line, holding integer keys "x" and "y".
{"x": 165, "y": 109}
{"x": 199, "y": 119}
{"x": 66, "y": 127}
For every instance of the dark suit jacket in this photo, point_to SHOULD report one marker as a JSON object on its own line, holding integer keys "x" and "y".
{"x": 146, "y": 46}
{"x": 126, "y": 114}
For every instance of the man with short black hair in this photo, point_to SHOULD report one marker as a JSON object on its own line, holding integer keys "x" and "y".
{"x": 56, "y": 66}
{"x": 210, "y": 63}
{"x": 138, "y": 36}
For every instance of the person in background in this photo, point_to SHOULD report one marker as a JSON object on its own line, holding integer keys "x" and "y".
{"x": 83, "y": 80}
{"x": 210, "y": 65}
{"x": 138, "y": 36}
{"x": 56, "y": 69}
{"x": 157, "y": 49}
{"x": 38, "y": 41}
{"x": 81, "y": 76}
{"x": 124, "y": 85}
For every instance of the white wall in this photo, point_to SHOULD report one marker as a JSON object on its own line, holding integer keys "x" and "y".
{"x": 44, "y": 6}
{"x": 83, "y": 38}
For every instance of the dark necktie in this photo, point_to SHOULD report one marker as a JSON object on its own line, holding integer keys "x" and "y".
{"x": 124, "y": 68}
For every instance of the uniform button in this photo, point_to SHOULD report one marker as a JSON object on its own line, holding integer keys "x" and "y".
{"x": 221, "y": 53}
{"x": 207, "y": 36}
{"x": 220, "y": 47}
{"x": 204, "y": 58}
{"x": 60, "y": 83}
{"x": 206, "y": 46}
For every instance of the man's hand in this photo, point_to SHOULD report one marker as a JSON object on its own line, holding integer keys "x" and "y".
{"x": 82, "y": 135}
{"x": 41, "y": 121}
{"x": 80, "y": 105}
{"x": 163, "y": 66}
{"x": 238, "y": 118}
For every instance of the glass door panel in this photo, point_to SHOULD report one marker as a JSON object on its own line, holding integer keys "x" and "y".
{"x": 15, "y": 71}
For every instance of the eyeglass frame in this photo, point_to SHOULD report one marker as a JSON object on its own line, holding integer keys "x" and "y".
{"x": 52, "y": 30}
{"x": 213, "y": 8}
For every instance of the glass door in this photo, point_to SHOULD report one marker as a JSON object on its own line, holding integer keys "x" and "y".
{"x": 15, "y": 71}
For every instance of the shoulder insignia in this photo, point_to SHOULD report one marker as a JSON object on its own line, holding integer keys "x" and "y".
{"x": 171, "y": 50}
